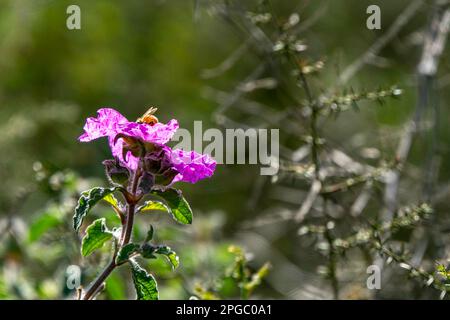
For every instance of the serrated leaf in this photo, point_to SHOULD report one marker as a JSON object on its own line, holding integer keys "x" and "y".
{"x": 96, "y": 235}
{"x": 88, "y": 199}
{"x": 153, "y": 206}
{"x": 126, "y": 252}
{"x": 179, "y": 207}
{"x": 144, "y": 283}
{"x": 170, "y": 255}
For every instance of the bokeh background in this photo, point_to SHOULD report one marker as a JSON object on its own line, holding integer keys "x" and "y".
{"x": 175, "y": 55}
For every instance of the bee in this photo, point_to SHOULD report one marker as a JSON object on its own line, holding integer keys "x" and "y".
{"x": 148, "y": 117}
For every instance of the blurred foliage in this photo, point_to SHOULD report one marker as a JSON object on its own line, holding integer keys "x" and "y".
{"x": 49, "y": 245}
{"x": 238, "y": 276}
{"x": 190, "y": 58}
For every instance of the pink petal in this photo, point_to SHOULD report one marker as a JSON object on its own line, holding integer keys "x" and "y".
{"x": 192, "y": 166}
{"x": 104, "y": 125}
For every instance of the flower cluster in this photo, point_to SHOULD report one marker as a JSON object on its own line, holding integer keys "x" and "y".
{"x": 138, "y": 142}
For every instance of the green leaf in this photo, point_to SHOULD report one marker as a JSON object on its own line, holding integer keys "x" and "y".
{"x": 88, "y": 200}
{"x": 96, "y": 236}
{"x": 147, "y": 251}
{"x": 126, "y": 252}
{"x": 44, "y": 223}
{"x": 153, "y": 206}
{"x": 115, "y": 287}
{"x": 170, "y": 255}
{"x": 179, "y": 207}
{"x": 112, "y": 200}
{"x": 144, "y": 283}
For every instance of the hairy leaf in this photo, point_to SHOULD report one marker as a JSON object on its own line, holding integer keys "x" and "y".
{"x": 144, "y": 283}
{"x": 179, "y": 207}
{"x": 149, "y": 251}
{"x": 170, "y": 255}
{"x": 126, "y": 252}
{"x": 88, "y": 200}
{"x": 153, "y": 205}
{"x": 112, "y": 200}
{"x": 96, "y": 235}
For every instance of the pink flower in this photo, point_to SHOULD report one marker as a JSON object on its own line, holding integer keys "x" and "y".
{"x": 190, "y": 165}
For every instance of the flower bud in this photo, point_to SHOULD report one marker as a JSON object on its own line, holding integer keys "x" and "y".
{"x": 146, "y": 183}
{"x": 166, "y": 177}
{"x": 117, "y": 174}
{"x": 157, "y": 161}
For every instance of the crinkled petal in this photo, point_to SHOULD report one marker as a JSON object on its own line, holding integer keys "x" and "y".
{"x": 109, "y": 123}
{"x": 105, "y": 124}
{"x": 192, "y": 166}
{"x": 129, "y": 161}
{"x": 158, "y": 133}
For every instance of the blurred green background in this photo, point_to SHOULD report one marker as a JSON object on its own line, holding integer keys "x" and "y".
{"x": 130, "y": 55}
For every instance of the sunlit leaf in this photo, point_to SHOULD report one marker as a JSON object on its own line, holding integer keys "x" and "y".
{"x": 144, "y": 283}
{"x": 153, "y": 206}
{"x": 112, "y": 200}
{"x": 149, "y": 251}
{"x": 96, "y": 235}
{"x": 126, "y": 252}
{"x": 170, "y": 255}
{"x": 88, "y": 200}
{"x": 179, "y": 207}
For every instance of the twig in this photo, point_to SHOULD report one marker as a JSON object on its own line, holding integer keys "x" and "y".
{"x": 308, "y": 202}
{"x": 376, "y": 47}
{"x": 227, "y": 63}
{"x": 426, "y": 71}
{"x": 125, "y": 237}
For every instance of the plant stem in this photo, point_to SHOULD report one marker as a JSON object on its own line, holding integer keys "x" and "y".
{"x": 129, "y": 225}
{"x": 100, "y": 279}
{"x": 126, "y": 236}
{"x": 313, "y": 126}
{"x": 332, "y": 265}
{"x": 127, "y": 229}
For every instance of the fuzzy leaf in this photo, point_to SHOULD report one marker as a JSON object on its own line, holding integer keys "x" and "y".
{"x": 112, "y": 200}
{"x": 153, "y": 205}
{"x": 126, "y": 252}
{"x": 144, "y": 283}
{"x": 96, "y": 236}
{"x": 179, "y": 207}
{"x": 88, "y": 200}
{"x": 149, "y": 251}
{"x": 170, "y": 255}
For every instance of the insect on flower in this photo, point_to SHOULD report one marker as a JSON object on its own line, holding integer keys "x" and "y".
{"x": 148, "y": 117}
{"x": 126, "y": 138}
